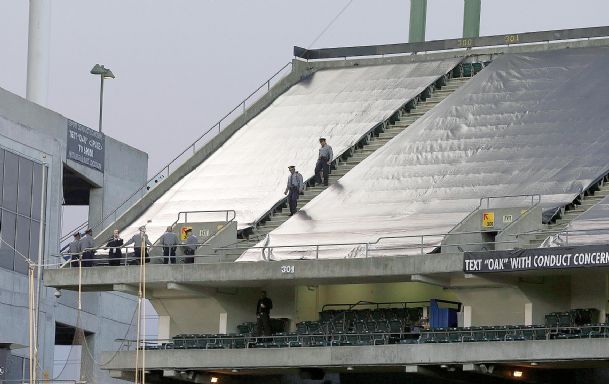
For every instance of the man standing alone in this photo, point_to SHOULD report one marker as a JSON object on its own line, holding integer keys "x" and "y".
{"x": 323, "y": 162}
{"x": 294, "y": 188}
{"x": 263, "y": 315}
{"x": 169, "y": 241}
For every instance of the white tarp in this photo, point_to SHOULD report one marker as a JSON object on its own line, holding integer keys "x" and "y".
{"x": 527, "y": 124}
{"x": 591, "y": 227}
{"x": 248, "y": 173}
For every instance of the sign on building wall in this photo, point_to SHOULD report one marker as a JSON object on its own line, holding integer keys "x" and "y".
{"x": 488, "y": 219}
{"x": 85, "y": 146}
{"x": 536, "y": 259}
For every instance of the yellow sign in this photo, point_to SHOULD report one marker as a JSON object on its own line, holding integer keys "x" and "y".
{"x": 488, "y": 219}
{"x": 183, "y": 234}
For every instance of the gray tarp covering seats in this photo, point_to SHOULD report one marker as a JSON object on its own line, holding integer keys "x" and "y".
{"x": 591, "y": 227}
{"x": 249, "y": 172}
{"x": 527, "y": 124}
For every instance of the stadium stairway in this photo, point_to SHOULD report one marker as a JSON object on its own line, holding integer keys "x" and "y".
{"x": 344, "y": 165}
{"x": 562, "y": 220}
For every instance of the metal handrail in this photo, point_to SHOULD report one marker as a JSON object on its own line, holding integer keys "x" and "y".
{"x": 364, "y": 302}
{"x": 333, "y": 339}
{"x": 489, "y": 198}
{"x": 166, "y": 169}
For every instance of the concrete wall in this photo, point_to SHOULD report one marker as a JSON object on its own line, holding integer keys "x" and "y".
{"x": 311, "y": 299}
{"x": 125, "y": 171}
{"x": 38, "y": 133}
{"x": 202, "y": 314}
{"x": 505, "y": 305}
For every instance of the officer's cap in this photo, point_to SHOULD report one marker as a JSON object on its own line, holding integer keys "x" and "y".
{"x": 322, "y": 139}
{"x": 291, "y": 166}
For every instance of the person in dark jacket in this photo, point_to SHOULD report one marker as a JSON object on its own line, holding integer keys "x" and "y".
{"x": 169, "y": 241}
{"x": 115, "y": 253}
{"x": 263, "y": 315}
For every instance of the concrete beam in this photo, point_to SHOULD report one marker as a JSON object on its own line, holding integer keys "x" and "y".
{"x": 580, "y": 351}
{"x": 197, "y": 291}
{"x": 126, "y": 288}
{"x": 306, "y": 272}
{"x": 430, "y": 280}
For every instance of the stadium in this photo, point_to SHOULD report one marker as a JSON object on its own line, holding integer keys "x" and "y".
{"x": 461, "y": 236}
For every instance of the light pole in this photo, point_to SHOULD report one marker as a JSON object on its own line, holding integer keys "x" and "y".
{"x": 104, "y": 73}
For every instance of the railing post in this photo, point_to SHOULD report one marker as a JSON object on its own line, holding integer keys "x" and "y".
{"x": 243, "y": 106}
{"x": 268, "y": 85}
{"x": 422, "y": 242}
{"x": 367, "y": 244}
{"x": 317, "y": 251}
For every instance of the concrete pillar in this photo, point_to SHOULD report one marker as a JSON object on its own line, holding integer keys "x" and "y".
{"x": 164, "y": 328}
{"x": 418, "y": 21}
{"x": 528, "y": 314}
{"x": 223, "y": 325}
{"x": 471, "y": 18}
{"x": 38, "y": 51}
{"x": 467, "y": 315}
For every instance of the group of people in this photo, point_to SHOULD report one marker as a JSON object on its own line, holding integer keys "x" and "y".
{"x": 295, "y": 186}
{"x": 83, "y": 247}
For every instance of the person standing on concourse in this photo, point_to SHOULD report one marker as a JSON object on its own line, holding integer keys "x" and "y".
{"x": 169, "y": 241}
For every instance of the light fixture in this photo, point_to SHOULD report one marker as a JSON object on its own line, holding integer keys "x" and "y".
{"x": 104, "y": 73}
{"x": 349, "y": 368}
{"x": 517, "y": 373}
{"x": 213, "y": 379}
{"x": 443, "y": 366}
{"x": 234, "y": 370}
{"x": 534, "y": 363}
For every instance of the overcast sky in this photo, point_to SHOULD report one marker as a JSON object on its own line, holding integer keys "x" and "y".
{"x": 182, "y": 64}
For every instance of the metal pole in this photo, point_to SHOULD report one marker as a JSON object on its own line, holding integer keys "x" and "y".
{"x": 101, "y": 101}
{"x": 418, "y": 19}
{"x": 40, "y": 258}
{"x": 471, "y": 18}
{"x": 38, "y": 51}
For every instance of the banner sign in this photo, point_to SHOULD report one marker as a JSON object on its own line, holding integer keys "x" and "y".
{"x": 85, "y": 146}
{"x": 536, "y": 259}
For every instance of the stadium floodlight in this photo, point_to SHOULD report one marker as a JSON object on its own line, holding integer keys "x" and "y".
{"x": 104, "y": 73}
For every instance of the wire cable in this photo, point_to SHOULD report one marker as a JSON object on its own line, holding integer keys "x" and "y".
{"x": 344, "y": 8}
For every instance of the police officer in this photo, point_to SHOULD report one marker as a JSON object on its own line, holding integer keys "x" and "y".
{"x": 86, "y": 247}
{"x": 323, "y": 162}
{"x": 115, "y": 252}
{"x": 294, "y": 188}
{"x": 137, "y": 240}
{"x": 191, "y": 246}
{"x": 169, "y": 241}
{"x": 74, "y": 250}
